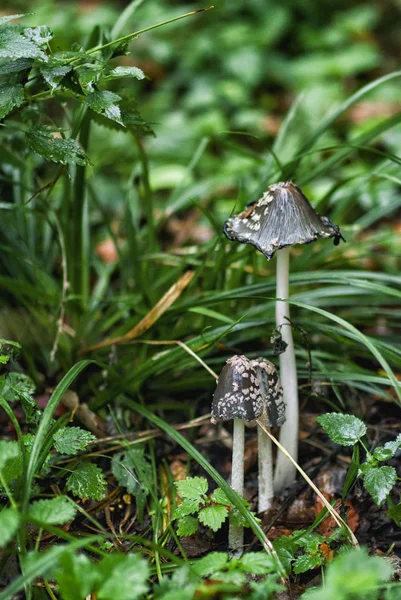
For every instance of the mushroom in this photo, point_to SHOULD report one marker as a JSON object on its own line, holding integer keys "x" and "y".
{"x": 281, "y": 218}
{"x": 273, "y": 416}
{"x": 237, "y": 397}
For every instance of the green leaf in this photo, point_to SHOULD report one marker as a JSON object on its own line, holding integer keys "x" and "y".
{"x": 14, "y": 385}
{"x": 87, "y": 481}
{"x": 189, "y": 506}
{"x": 392, "y": 446}
{"x": 257, "y": 563}
{"x": 76, "y": 576}
{"x": 105, "y": 103}
{"x": 15, "y": 66}
{"x": 10, "y": 461}
{"x": 379, "y": 482}
{"x": 220, "y": 497}
{"x": 345, "y": 430}
{"x": 209, "y": 564}
{"x": 187, "y": 526}
{"x": 310, "y": 541}
{"x": 395, "y": 514}
{"x": 213, "y": 516}
{"x": 134, "y": 472}
{"x": 234, "y": 577}
{"x": 306, "y": 562}
{"x": 39, "y": 35}
{"x": 14, "y": 44}
{"x": 42, "y": 141}
{"x": 54, "y": 72}
{"x": 11, "y": 96}
{"x": 192, "y": 487}
{"x": 9, "y": 523}
{"x": 71, "y": 440}
{"x": 123, "y": 576}
{"x": 119, "y": 72}
{"x": 52, "y": 511}
{"x": 8, "y": 18}
{"x": 265, "y": 589}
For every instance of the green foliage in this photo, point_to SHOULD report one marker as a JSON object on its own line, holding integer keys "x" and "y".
{"x": 8, "y": 349}
{"x": 353, "y": 576}
{"x": 42, "y": 141}
{"x": 71, "y": 440}
{"x": 379, "y": 481}
{"x": 53, "y": 511}
{"x": 211, "y": 511}
{"x": 133, "y": 471}
{"x": 9, "y": 523}
{"x": 342, "y": 429}
{"x": 87, "y": 481}
{"x": 10, "y": 461}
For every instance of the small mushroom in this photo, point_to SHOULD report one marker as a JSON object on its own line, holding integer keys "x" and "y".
{"x": 273, "y": 416}
{"x": 237, "y": 397}
{"x": 281, "y": 218}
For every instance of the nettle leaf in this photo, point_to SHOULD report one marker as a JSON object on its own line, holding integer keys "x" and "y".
{"x": 189, "y": 506}
{"x": 52, "y": 511}
{"x": 53, "y": 73}
{"x": 10, "y": 461}
{"x": 214, "y": 561}
{"x": 105, "y": 103}
{"x": 8, "y": 18}
{"x": 345, "y": 430}
{"x": 220, "y": 497}
{"x": 134, "y": 472}
{"x": 120, "y": 72}
{"x": 87, "y": 481}
{"x": 257, "y": 563}
{"x": 17, "y": 386}
{"x": 187, "y": 526}
{"x": 122, "y": 576}
{"x": 192, "y": 487}
{"x": 379, "y": 482}
{"x": 310, "y": 541}
{"x": 15, "y": 66}
{"x": 9, "y": 523}
{"x": 306, "y": 562}
{"x": 11, "y": 96}
{"x": 233, "y": 577}
{"x": 14, "y": 44}
{"x": 213, "y": 516}
{"x": 42, "y": 141}
{"x": 76, "y": 576}
{"x": 39, "y": 35}
{"x": 392, "y": 446}
{"x": 395, "y": 514}
{"x": 71, "y": 440}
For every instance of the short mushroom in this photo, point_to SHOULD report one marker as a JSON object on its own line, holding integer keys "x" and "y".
{"x": 237, "y": 397}
{"x": 281, "y": 218}
{"x": 273, "y": 416}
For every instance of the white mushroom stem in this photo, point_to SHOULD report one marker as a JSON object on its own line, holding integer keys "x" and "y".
{"x": 236, "y": 533}
{"x": 285, "y": 472}
{"x": 266, "y": 493}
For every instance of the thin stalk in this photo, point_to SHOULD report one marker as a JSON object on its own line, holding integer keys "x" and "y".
{"x": 265, "y": 460}
{"x": 235, "y": 532}
{"x": 285, "y": 472}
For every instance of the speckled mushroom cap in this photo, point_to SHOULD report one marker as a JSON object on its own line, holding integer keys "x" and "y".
{"x": 271, "y": 390}
{"x": 237, "y": 394}
{"x": 282, "y": 217}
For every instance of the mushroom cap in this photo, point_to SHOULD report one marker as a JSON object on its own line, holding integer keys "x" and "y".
{"x": 282, "y": 217}
{"x": 271, "y": 390}
{"x": 237, "y": 394}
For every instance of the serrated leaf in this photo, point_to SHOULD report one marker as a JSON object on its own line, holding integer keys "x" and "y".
{"x": 192, "y": 487}
{"x": 395, "y": 514}
{"x": 345, "y": 430}
{"x": 87, "y": 481}
{"x": 258, "y": 563}
{"x": 379, "y": 482}
{"x": 14, "y": 44}
{"x": 213, "y": 516}
{"x": 306, "y": 562}
{"x": 9, "y": 523}
{"x": 214, "y": 561}
{"x": 381, "y": 453}
{"x": 42, "y": 141}
{"x": 310, "y": 541}
{"x": 52, "y": 511}
{"x": 187, "y": 526}
{"x": 10, "y": 461}
{"x": 8, "y": 18}
{"x": 189, "y": 506}
{"x": 123, "y": 576}
{"x": 11, "y": 96}
{"x": 394, "y": 445}
{"x": 53, "y": 73}
{"x": 261, "y": 590}
{"x": 15, "y": 66}
{"x": 40, "y": 35}
{"x": 119, "y": 72}
{"x": 71, "y": 440}
{"x": 76, "y": 576}
{"x": 234, "y": 577}
{"x": 220, "y": 497}
{"x": 134, "y": 472}
{"x": 105, "y": 103}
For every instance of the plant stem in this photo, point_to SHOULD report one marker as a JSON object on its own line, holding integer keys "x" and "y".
{"x": 265, "y": 471}
{"x": 285, "y": 472}
{"x": 235, "y": 532}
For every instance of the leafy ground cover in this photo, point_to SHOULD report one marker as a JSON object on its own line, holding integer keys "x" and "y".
{"x": 129, "y": 133}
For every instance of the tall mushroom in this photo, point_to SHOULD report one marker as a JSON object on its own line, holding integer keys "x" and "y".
{"x": 281, "y": 218}
{"x": 237, "y": 397}
{"x": 273, "y": 416}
